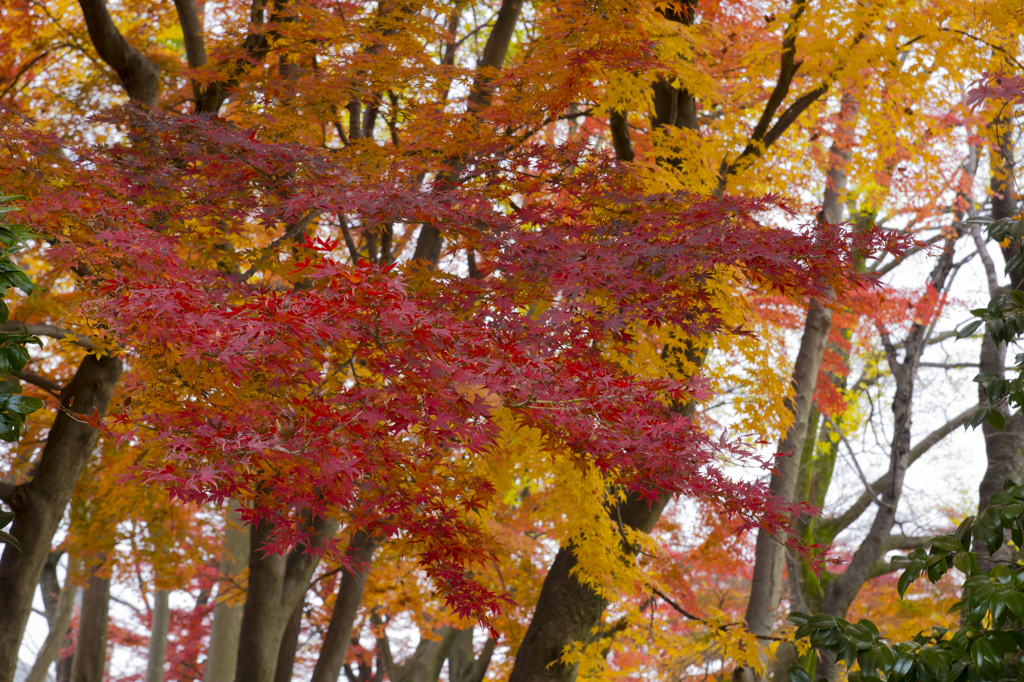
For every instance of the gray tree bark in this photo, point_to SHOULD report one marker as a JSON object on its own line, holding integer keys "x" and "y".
{"x": 463, "y": 664}
{"x": 1003, "y": 449}
{"x": 222, "y": 656}
{"x": 276, "y": 584}
{"x": 769, "y": 555}
{"x": 430, "y": 240}
{"x": 350, "y": 593}
{"x": 842, "y": 590}
{"x": 289, "y": 645}
{"x": 59, "y": 617}
{"x": 40, "y": 503}
{"x": 158, "y": 636}
{"x": 425, "y": 663}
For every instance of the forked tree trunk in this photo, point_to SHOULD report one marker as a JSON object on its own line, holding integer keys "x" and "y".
{"x": 843, "y": 589}
{"x": 289, "y": 645}
{"x": 222, "y": 656}
{"x": 276, "y": 584}
{"x": 463, "y": 664}
{"x": 40, "y": 503}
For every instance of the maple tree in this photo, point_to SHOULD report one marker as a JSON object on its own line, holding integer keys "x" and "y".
{"x": 440, "y": 276}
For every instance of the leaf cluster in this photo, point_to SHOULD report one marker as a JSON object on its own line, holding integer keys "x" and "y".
{"x": 988, "y": 644}
{"x": 14, "y": 354}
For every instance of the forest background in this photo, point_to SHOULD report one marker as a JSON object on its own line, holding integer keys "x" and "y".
{"x": 423, "y": 340}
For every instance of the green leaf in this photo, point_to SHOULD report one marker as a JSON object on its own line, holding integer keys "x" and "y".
{"x": 948, "y": 542}
{"x": 821, "y": 622}
{"x": 799, "y": 617}
{"x": 5, "y": 518}
{"x": 798, "y": 674}
{"x": 901, "y": 666}
{"x": 966, "y": 563}
{"x": 963, "y": 531}
{"x": 8, "y": 539}
{"x": 968, "y": 329}
{"x": 996, "y": 418}
{"x": 23, "y": 404}
{"x": 17, "y": 355}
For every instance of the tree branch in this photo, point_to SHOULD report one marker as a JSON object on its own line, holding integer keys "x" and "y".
{"x": 139, "y": 75}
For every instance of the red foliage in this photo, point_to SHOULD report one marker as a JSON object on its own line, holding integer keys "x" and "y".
{"x": 346, "y": 394}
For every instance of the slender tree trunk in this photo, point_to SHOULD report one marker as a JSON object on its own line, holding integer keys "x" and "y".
{"x": 91, "y": 649}
{"x": 425, "y": 664}
{"x": 289, "y": 645}
{"x": 843, "y": 589}
{"x": 276, "y": 584}
{"x": 350, "y": 593}
{"x": 766, "y": 587}
{"x": 40, "y": 503}
{"x": 430, "y": 240}
{"x": 1003, "y": 449}
{"x": 463, "y": 664}
{"x": 59, "y": 624}
{"x": 158, "y": 636}
{"x": 769, "y": 555}
{"x": 227, "y": 619}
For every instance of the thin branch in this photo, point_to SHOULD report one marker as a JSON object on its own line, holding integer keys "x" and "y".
{"x": 48, "y": 330}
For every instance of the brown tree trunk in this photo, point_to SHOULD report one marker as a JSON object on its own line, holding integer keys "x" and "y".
{"x": 91, "y": 648}
{"x": 430, "y": 240}
{"x": 139, "y": 75}
{"x": 222, "y": 656}
{"x": 40, "y": 503}
{"x": 350, "y": 593}
{"x": 567, "y": 610}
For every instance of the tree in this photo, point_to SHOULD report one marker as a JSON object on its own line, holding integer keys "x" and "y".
{"x": 374, "y": 273}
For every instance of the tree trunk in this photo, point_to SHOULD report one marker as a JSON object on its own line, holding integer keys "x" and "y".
{"x": 139, "y": 75}
{"x": 766, "y": 586}
{"x": 222, "y": 656}
{"x": 158, "y": 636}
{"x": 276, "y": 584}
{"x": 289, "y": 645}
{"x": 463, "y": 664}
{"x": 350, "y": 593}
{"x": 40, "y": 503}
{"x": 567, "y": 611}
{"x": 430, "y": 240}
{"x": 60, "y": 621}
{"x": 769, "y": 555}
{"x": 843, "y": 589}
{"x": 1003, "y": 449}
{"x": 91, "y": 649}
{"x": 425, "y": 664}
